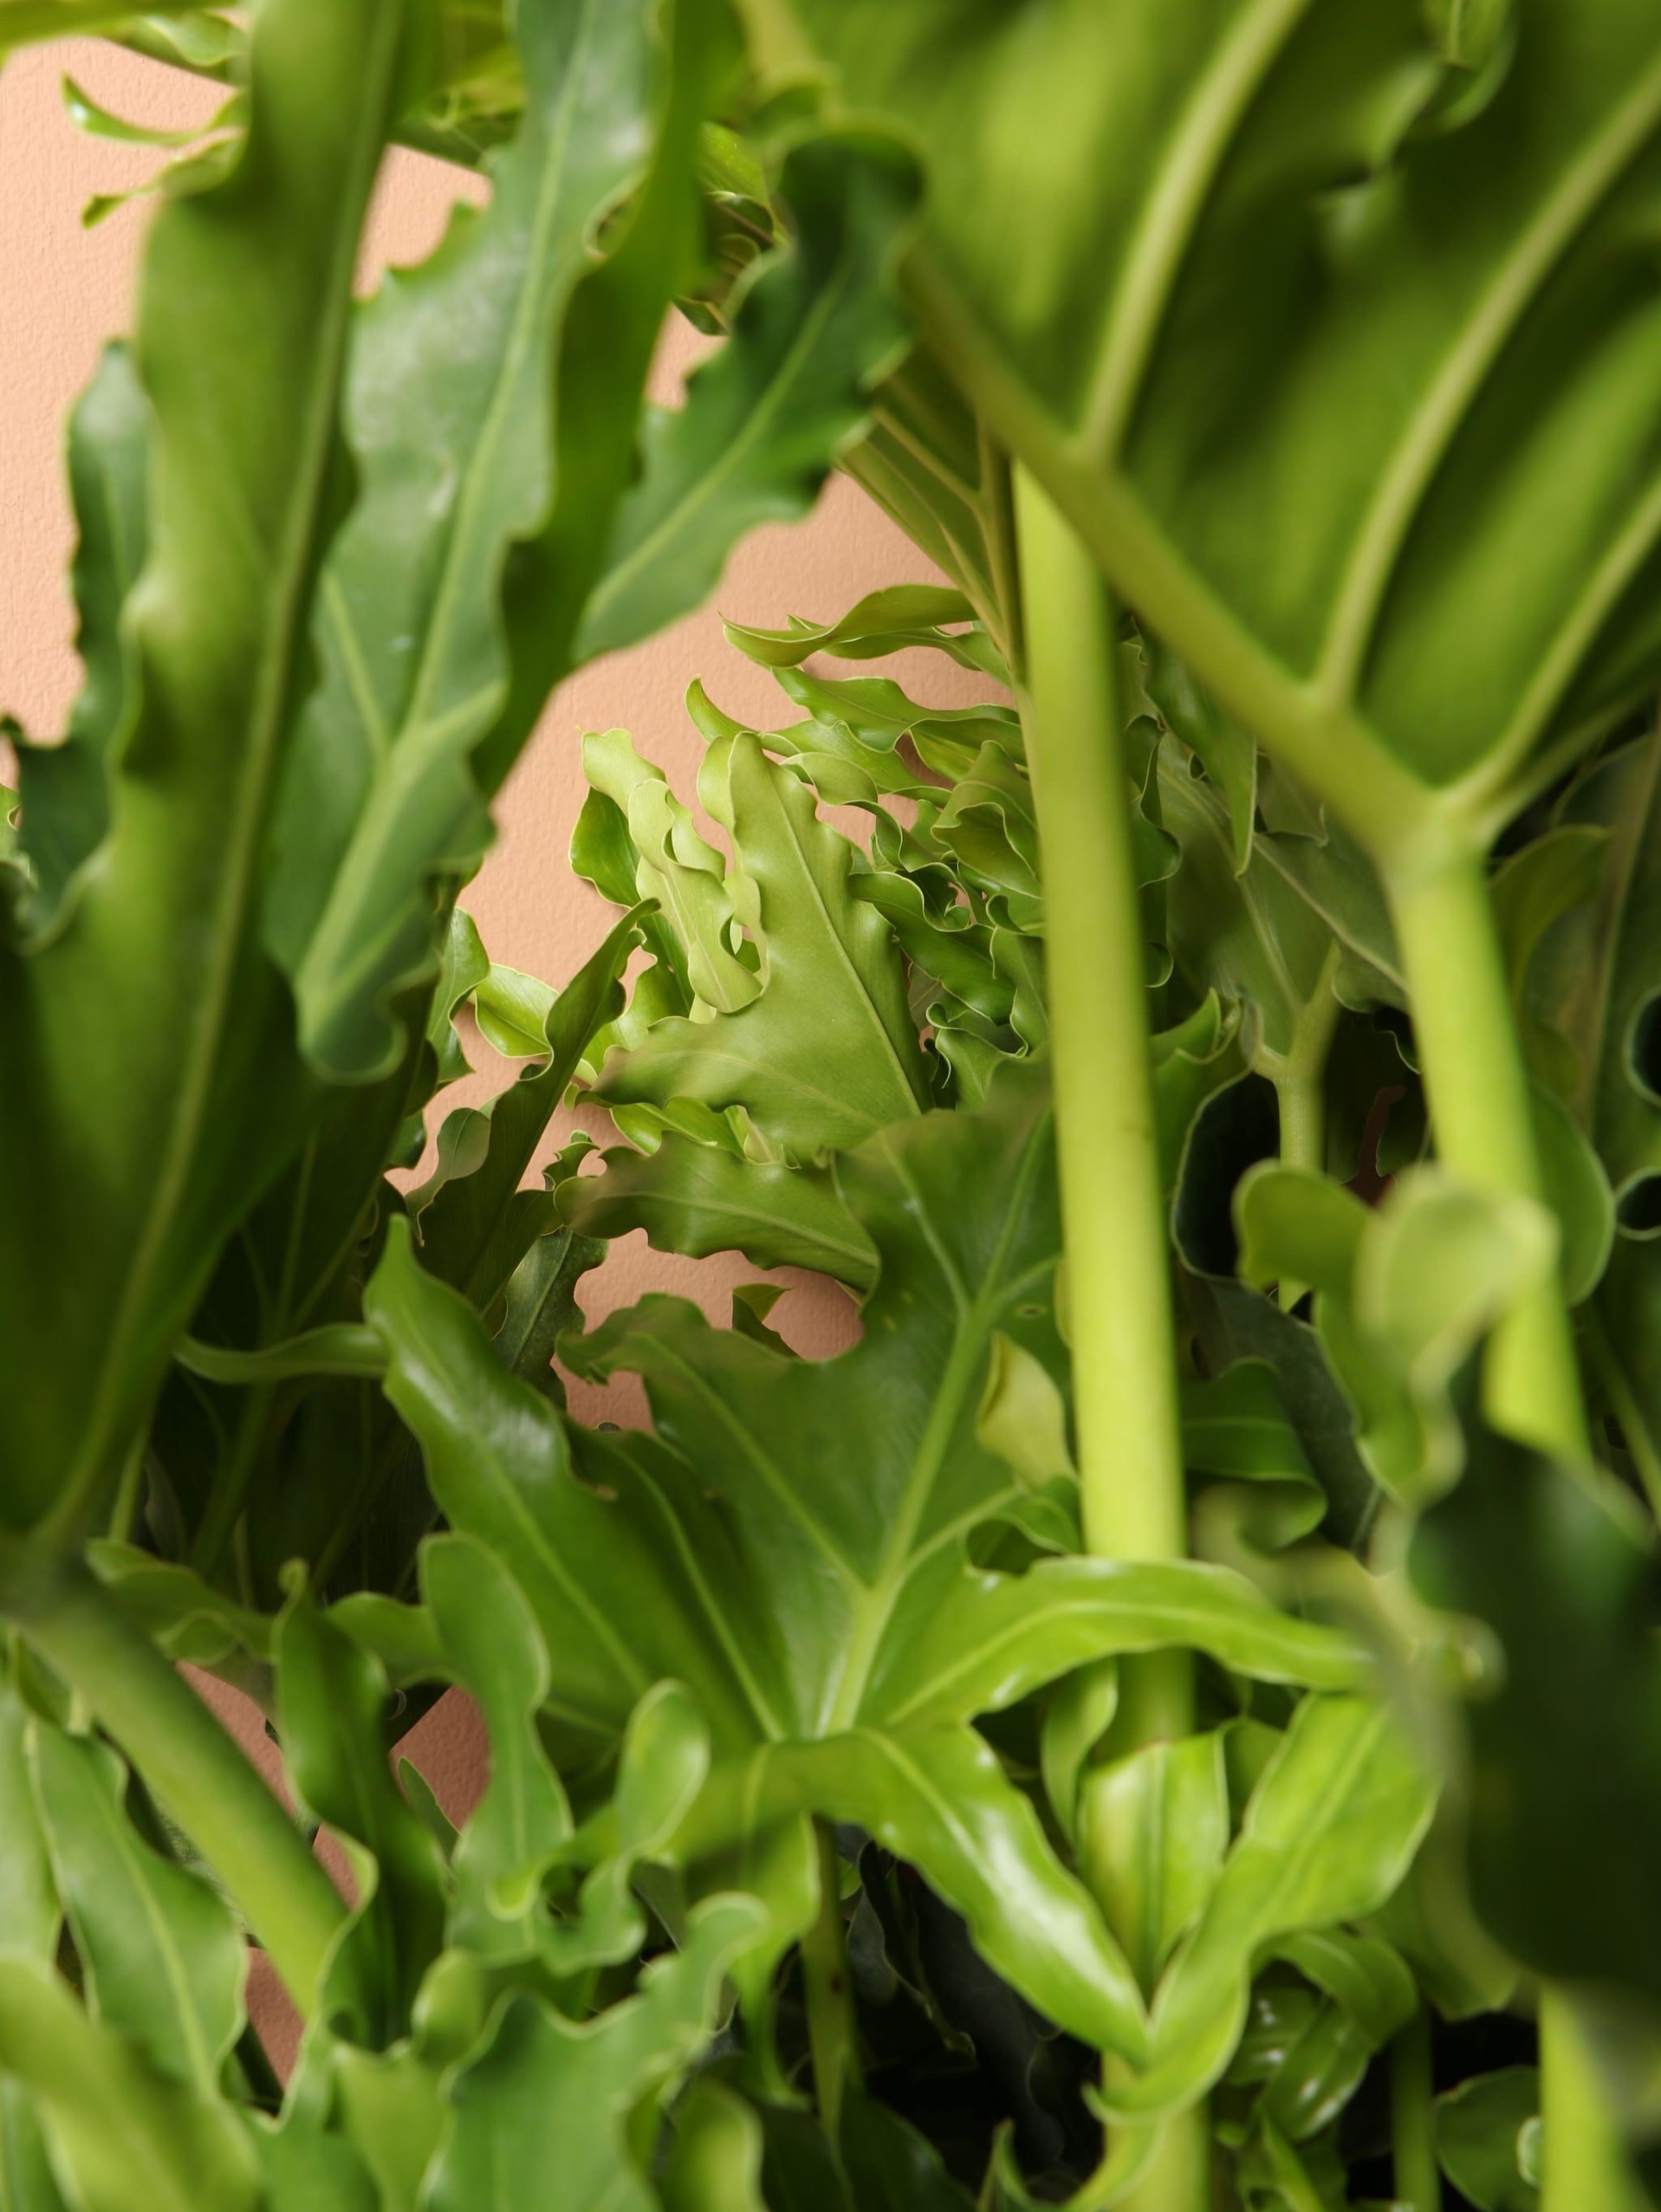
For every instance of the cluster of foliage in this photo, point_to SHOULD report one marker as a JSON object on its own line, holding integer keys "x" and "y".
{"x": 1170, "y": 1718}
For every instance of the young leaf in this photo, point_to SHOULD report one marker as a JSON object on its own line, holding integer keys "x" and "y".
{"x": 828, "y": 1052}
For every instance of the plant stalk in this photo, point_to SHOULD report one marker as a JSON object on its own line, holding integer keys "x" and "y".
{"x": 1416, "y": 2185}
{"x": 1585, "y": 2160}
{"x": 193, "y": 1768}
{"x": 1477, "y": 1086}
{"x": 1478, "y": 1091}
{"x": 1121, "y": 1327}
{"x": 831, "y": 2036}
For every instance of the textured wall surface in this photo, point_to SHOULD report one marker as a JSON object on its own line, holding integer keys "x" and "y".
{"x": 64, "y": 291}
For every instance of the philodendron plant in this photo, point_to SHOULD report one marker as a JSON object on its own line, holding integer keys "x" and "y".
{"x": 1170, "y": 1717}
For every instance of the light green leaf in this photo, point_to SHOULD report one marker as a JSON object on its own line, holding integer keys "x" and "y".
{"x": 864, "y": 1613}
{"x": 714, "y": 2158}
{"x": 547, "y": 2094}
{"x": 1227, "y": 753}
{"x": 464, "y": 968}
{"x": 1237, "y": 1430}
{"x": 1329, "y": 1831}
{"x": 764, "y": 420}
{"x": 661, "y": 1765}
{"x": 29, "y": 1912}
{"x": 474, "y": 1222}
{"x": 1154, "y": 1827}
{"x": 491, "y": 1644}
{"x": 1403, "y": 1294}
{"x": 678, "y": 869}
{"x": 332, "y": 1701}
{"x": 165, "y": 1959}
{"x": 881, "y": 624}
{"x": 26, "y": 22}
{"x": 129, "y": 2138}
{"x": 828, "y": 1052}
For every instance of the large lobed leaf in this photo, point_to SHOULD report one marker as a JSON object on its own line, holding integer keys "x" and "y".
{"x": 1337, "y": 287}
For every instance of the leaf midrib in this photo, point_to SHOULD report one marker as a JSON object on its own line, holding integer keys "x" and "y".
{"x": 870, "y": 1617}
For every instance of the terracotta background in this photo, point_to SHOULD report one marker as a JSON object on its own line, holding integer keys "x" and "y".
{"x": 64, "y": 291}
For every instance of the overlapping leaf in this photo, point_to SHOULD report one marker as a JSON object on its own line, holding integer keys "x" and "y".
{"x": 845, "y": 1686}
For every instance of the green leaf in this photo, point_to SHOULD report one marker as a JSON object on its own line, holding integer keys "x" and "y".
{"x": 1227, "y": 753}
{"x": 1329, "y": 1831}
{"x": 25, "y": 22}
{"x": 164, "y": 1957}
{"x": 661, "y": 1765}
{"x": 1532, "y": 891}
{"x": 828, "y": 1052}
{"x": 1153, "y": 1828}
{"x": 1157, "y": 348}
{"x": 700, "y": 1199}
{"x": 676, "y": 868}
{"x": 714, "y": 2159}
{"x": 1561, "y": 1729}
{"x": 332, "y": 1700}
{"x": 65, "y": 788}
{"x": 474, "y": 1222}
{"x": 148, "y": 1073}
{"x": 1240, "y": 929}
{"x": 463, "y": 969}
{"x": 540, "y": 1304}
{"x": 764, "y": 420}
{"x": 1402, "y": 1296}
{"x": 545, "y": 2089}
{"x": 29, "y": 1912}
{"x": 449, "y": 414}
{"x": 1237, "y": 1429}
{"x": 903, "y": 615}
{"x": 865, "y": 1621}
{"x": 1479, "y": 2126}
{"x": 27, "y": 2181}
{"x": 129, "y": 2138}
{"x": 492, "y": 1643}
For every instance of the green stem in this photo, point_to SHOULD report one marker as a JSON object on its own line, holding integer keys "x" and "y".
{"x": 200, "y": 1776}
{"x": 1481, "y": 1113}
{"x": 1478, "y": 1089}
{"x": 1417, "y": 2185}
{"x": 1118, "y": 1269}
{"x": 831, "y": 2036}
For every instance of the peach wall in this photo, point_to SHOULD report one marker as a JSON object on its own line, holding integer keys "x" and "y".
{"x": 65, "y": 290}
